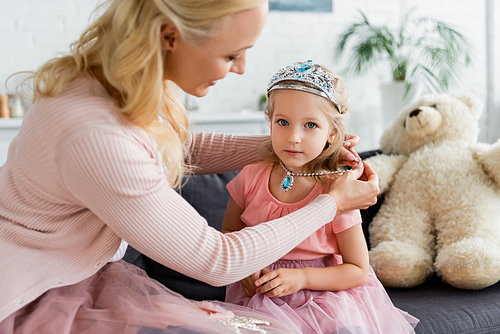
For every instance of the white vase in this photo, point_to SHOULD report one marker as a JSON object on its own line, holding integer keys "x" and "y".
{"x": 393, "y": 101}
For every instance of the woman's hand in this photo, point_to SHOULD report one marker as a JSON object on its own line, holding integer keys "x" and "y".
{"x": 356, "y": 189}
{"x": 248, "y": 283}
{"x": 348, "y": 156}
{"x": 281, "y": 282}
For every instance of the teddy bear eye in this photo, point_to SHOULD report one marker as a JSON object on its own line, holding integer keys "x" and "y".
{"x": 434, "y": 106}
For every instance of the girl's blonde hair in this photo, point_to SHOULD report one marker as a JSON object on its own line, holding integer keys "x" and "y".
{"x": 125, "y": 41}
{"x": 329, "y": 157}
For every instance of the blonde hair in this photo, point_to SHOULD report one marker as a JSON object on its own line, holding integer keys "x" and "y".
{"x": 125, "y": 41}
{"x": 329, "y": 157}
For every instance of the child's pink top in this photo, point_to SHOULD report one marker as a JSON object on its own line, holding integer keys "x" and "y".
{"x": 250, "y": 190}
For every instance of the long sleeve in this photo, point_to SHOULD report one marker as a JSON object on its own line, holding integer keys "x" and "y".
{"x": 120, "y": 182}
{"x": 218, "y": 153}
{"x": 80, "y": 177}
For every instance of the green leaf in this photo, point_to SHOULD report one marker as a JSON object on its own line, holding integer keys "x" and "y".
{"x": 420, "y": 50}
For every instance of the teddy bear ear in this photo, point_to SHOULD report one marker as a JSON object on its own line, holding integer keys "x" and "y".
{"x": 473, "y": 102}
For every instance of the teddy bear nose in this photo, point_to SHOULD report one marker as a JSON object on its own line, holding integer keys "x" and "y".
{"x": 415, "y": 112}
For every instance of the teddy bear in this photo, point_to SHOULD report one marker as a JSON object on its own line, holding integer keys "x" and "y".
{"x": 441, "y": 208}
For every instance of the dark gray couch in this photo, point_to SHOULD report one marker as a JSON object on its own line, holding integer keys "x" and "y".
{"x": 441, "y": 308}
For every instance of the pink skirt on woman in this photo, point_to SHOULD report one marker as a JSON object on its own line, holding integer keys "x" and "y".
{"x": 366, "y": 309}
{"x": 120, "y": 298}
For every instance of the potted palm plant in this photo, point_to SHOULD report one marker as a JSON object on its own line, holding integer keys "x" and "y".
{"x": 422, "y": 52}
{"x": 262, "y": 101}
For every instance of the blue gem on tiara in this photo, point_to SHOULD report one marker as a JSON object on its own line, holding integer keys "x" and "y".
{"x": 303, "y": 68}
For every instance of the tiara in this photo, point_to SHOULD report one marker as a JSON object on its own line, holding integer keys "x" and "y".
{"x": 307, "y": 72}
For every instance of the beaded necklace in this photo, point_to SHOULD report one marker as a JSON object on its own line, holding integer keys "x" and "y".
{"x": 287, "y": 182}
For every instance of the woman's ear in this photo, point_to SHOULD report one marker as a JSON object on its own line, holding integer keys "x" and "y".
{"x": 169, "y": 36}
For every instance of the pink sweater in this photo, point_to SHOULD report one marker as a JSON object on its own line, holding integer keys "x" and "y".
{"x": 80, "y": 177}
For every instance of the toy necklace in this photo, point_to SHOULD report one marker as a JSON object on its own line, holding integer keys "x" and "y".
{"x": 287, "y": 182}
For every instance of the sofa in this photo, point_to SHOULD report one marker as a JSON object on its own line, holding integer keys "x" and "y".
{"x": 441, "y": 308}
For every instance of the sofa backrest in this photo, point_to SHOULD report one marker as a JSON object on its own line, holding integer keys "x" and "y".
{"x": 209, "y": 196}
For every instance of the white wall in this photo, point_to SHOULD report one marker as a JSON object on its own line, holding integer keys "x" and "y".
{"x": 32, "y": 31}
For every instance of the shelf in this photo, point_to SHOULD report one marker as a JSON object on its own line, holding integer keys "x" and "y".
{"x": 195, "y": 118}
{"x": 244, "y": 116}
{"x": 11, "y": 123}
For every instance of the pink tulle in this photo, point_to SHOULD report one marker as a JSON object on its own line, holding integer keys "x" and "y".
{"x": 121, "y": 298}
{"x": 365, "y": 309}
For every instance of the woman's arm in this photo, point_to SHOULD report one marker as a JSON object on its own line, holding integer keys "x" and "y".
{"x": 351, "y": 273}
{"x": 213, "y": 153}
{"x": 119, "y": 182}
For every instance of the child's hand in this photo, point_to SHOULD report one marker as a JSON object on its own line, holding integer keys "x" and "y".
{"x": 248, "y": 283}
{"x": 281, "y": 282}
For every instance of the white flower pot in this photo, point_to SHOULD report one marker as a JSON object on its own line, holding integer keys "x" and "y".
{"x": 393, "y": 101}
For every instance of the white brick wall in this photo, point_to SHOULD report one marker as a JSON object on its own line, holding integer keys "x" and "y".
{"x": 32, "y": 31}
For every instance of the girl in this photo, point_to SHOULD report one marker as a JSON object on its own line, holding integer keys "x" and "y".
{"x": 325, "y": 284}
{"x": 85, "y": 173}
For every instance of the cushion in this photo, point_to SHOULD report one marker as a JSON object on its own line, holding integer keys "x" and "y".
{"x": 443, "y": 309}
{"x": 209, "y": 196}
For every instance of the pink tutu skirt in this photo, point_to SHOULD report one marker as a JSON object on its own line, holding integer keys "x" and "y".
{"x": 366, "y": 309}
{"x": 122, "y": 299}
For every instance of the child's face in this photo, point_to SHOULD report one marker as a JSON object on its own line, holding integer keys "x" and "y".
{"x": 299, "y": 128}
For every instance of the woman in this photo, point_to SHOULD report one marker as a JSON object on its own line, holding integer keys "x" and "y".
{"x": 84, "y": 173}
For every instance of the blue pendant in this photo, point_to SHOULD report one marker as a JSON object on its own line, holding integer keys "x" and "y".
{"x": 287, "y": 182}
